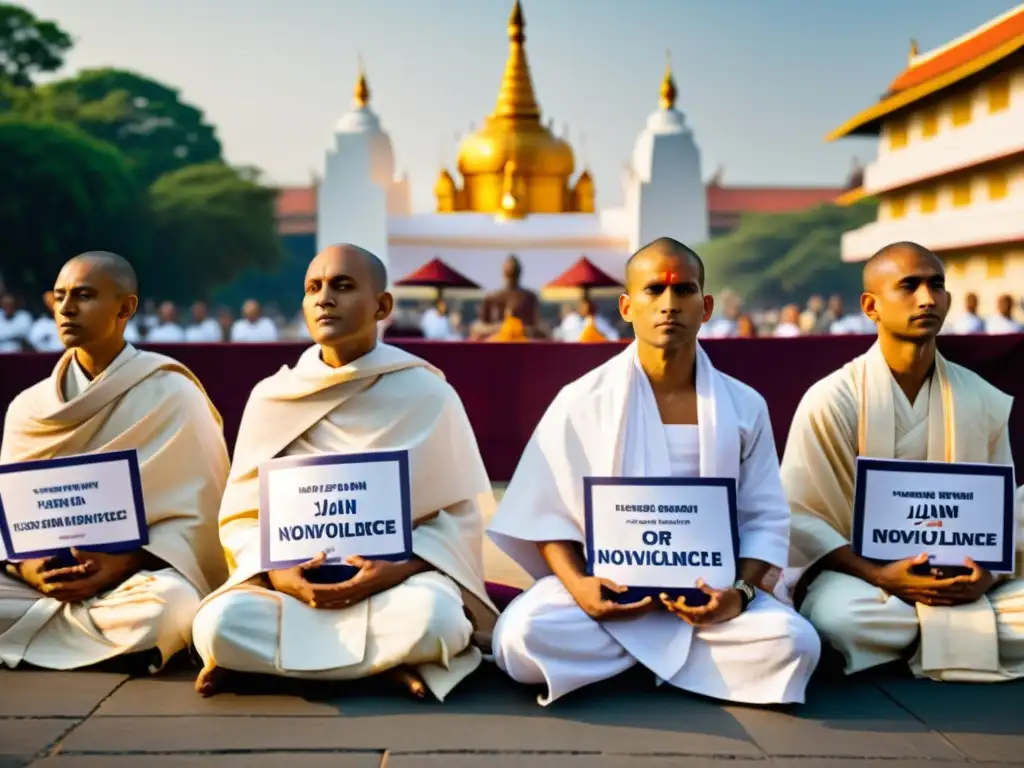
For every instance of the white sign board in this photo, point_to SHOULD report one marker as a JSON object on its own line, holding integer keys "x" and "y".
{"x": 657, "y": 535}
{"x": 951, "y": 511}
{"x": 92, "y": 502}
{"x": 340, "y": 504}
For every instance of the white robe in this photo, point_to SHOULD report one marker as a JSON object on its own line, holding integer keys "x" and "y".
{"x": 155, "y": 405}
{"x": 606, "y": 424}
{"x": 860, "y": 410}
{"x": 386, "y": 400}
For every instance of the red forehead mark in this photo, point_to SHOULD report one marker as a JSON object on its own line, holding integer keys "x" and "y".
{"x": 670, "y": 278}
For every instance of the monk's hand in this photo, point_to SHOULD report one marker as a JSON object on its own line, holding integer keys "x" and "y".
{"x": 95, "y": 573}
{"x": 292, "y": 581}
{"x": 899, "y": 579}
{"x": 722, "y": 605}
{"x": 41, "y": 573}
{"x": 972, "y": 586}
{"x": 588, "y": 592}
{"x": 373, "y": 577}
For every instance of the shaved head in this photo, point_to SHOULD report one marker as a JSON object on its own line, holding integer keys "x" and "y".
{"x": 117, "y": 268}
{"x": 894, "y": 257}
{"x": 345, "y": 298}
{"x": 377, "y": 272}
{"x": 905, "y": 293}
{"x": 664, "y": 246}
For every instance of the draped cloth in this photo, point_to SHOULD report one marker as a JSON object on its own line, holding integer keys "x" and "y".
{"x": 608, "y": 424}
{"x": 861, "y": 411}
{"x": 155, "y": 405}
{"x": 386, "y": 400}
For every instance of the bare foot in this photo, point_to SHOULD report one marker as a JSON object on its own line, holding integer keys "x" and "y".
{"x": 212, "y": 680}
{"x": 408, "y": 679}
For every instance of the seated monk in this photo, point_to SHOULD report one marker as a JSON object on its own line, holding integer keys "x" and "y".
{"x": 105, "y": 395}
{"x": 514, "y": 300}
{"x": 511, "y": 330}
{"x": 900, "y": 400}
{"x": 658, "y": 409}
{"x": 350, "y": 393}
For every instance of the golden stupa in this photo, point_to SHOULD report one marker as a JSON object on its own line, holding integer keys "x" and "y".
{"x": 514, "y": 166}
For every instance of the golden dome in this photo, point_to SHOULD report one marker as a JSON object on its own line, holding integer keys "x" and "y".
{"x": 513, "y": 133}
{"x": 445, "y": 183}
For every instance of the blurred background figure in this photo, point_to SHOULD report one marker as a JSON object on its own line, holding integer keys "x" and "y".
{"x": 436, "y": 323}
{"x": 252, "y": 326}
{"x": 43, "y": 336}
{"x": 15, "y": 325}
{"x": 789, "y": 322}
{"x": 968, "y": 321}
{"x": 203, "y": 329}
{"x": 167, "y": 329}
{"x": 745, "y": 328}
{"x": 1002, "y": 321}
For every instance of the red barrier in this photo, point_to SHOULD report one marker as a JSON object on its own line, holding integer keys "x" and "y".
{"x": 506, "y": 387}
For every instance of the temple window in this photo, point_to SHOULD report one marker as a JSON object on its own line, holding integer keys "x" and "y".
{"x": 998, "y": 186}
{"x": 930, "y": 123}
{"x": 999, "y": 94}
{"x": 897, "y": 207}
{"x": 962, "y": 109}
{"x": 995, "y": 266}
{"x": 897, "y": 132}
{"x": 929, "y": 200}
{"x": 962, "y": 193}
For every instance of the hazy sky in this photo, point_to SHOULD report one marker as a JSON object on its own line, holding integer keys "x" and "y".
{"x": 760, "y": 81}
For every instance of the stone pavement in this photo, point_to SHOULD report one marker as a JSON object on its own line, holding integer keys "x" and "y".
{"x": 105, "y": 720}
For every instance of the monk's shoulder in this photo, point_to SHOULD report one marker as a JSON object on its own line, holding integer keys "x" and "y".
{"x": 992, "y": 401}
{"x": 423, "y": 386}
{"x": 745, "y": 398}
{"x": 22, "y": 406}
{"x": 175, "y": 384}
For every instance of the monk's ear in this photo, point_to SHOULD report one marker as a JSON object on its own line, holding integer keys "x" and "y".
{"x": 129, "y": 304}
{"x": 709, "y": 307}
{"x": 867, "y": 305}
{"x": 385, "y": 305}
{"x": 625, "y": 307}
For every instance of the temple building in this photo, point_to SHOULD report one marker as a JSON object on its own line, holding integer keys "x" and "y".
{"x": 516, "y": 188}
{"x": 950, "y": 167}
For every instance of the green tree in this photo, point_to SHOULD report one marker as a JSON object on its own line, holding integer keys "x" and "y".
{"x": 210, "y": 223}
{"x": 145, "y": 119}
{"x": 779, "y": 258}
{"x": 63, "y": 192}
{"x": 28, "y": 46}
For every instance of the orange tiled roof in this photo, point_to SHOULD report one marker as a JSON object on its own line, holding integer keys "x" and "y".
{"x": 768, "y": 199}
{"x": 929, "y": 74}
{"x": 979, "y": 42}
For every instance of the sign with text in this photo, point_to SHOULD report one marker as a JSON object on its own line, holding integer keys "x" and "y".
{"x": 656, "y": 535}
{"x": 92, "y": 502}
{"x": 340, "y": 504}
{"x": 951, "y": 511}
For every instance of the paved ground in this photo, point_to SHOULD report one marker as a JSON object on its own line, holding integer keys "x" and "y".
{"x": 108, "y": 720}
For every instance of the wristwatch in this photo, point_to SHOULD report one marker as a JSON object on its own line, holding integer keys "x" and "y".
{"x": 746, "y": 592}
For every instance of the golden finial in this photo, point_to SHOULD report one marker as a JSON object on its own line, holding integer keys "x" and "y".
{"x": 668, "y": 85}
{"x": 913, "y": 51}
{"x": 361, "y": 95}
{"x": 516, "y": 98}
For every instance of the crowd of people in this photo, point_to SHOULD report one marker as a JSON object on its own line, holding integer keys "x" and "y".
{"x": 513, "y": 313}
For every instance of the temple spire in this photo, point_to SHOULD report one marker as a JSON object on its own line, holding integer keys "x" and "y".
{"x": 361, "y": 94}
{"x": 668, "y": 85}
{"x": 516, "y": 98}
{"x": 913, "y": 52}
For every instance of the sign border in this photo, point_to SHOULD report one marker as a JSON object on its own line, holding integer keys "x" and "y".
{"x": 327, "y": 459}
{"x": 694, "y": 596}
{"x": 134, "y": 475}
{"x": 866, "y": 464}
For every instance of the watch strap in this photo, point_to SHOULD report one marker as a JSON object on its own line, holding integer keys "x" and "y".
{"x": 746, "y": 592}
